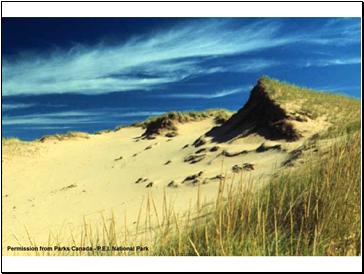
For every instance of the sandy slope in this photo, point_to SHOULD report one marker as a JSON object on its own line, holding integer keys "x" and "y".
{"x": 63, "y": 181}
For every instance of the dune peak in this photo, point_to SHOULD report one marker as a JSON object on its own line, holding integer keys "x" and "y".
{"x": 269, "y": 112}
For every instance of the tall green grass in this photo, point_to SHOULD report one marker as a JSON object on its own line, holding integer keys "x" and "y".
{"x": 314, "y": 211}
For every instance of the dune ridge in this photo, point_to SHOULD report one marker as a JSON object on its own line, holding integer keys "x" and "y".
{"x": 179, "y": 159}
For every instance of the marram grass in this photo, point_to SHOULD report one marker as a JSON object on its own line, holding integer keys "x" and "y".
{"x": 312, "y": 212}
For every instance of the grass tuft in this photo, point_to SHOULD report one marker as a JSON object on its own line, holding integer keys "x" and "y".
{"x": 220, "y": 116}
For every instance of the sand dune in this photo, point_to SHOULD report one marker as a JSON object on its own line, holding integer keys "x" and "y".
{"x": 65, "y": 180}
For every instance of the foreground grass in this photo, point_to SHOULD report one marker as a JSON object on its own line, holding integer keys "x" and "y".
{"x": 312, "y": 212}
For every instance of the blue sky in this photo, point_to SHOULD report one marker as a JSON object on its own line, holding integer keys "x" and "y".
{"x": 90, "y": 74}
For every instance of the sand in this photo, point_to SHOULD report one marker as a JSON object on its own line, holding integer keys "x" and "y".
{"x": 50, "y": 191}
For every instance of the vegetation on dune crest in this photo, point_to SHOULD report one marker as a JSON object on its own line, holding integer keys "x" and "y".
{"x": 66, "y": 136}
{"x": 11, "y": 142}
{"x": 220, "y": 116}
{"x": 8, "y": 140}
{"x": 169, "y": 121}
{"x": 13, "y": 146}
{"x": 341, "y": 111}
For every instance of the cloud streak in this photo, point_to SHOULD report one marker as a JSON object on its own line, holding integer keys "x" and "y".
{"x": 338, "y": 31}
{"x": 65, "y": 117}
{"x": 215, "y": 95}
{"x": 74, "y": 117}
{"x": 40, "y": 120}
{"x": 160, "y": 58}
{"x": 333, "y": 62}
{"x": 141, "y": 63}
{"x": 335, "y": 89}
{"x": 6, "y": 107}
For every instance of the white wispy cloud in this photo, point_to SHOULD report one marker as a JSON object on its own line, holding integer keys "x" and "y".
{"x": 341, "y": 89}
{"x": 160, "y": 58}
{"x": 12, "y": 106}
{"x": 46, "y": 127}
{"x": 65, "y": 117}
{"x": 337, "y": 31}
{"x": 333, "y": 62}
{"x": 139, "y": 114}
{"x": 74, "y": 117}
{"x": 71, "y": 113}
{"x": 44, "y": 121}
{"x": 253, "y": 65}
{"x": 246, "y": 66}
{"x": 164, "y": 57}
{"x": 214, "y": 95}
